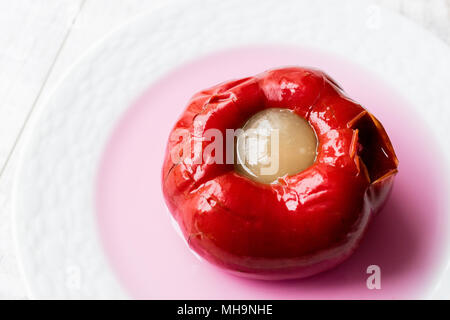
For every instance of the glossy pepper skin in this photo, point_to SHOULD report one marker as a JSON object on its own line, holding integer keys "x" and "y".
{"x": 302, "y": 224}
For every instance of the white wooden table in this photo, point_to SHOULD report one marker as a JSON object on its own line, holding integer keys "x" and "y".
{"x": 40, "y": 39}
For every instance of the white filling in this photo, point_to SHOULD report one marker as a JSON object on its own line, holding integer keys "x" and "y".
{"x": 274, "y": 143}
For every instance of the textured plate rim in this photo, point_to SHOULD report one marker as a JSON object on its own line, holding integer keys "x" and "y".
{"x": 39, "y": 115}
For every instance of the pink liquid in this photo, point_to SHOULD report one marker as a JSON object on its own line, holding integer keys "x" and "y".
{"x": 407, "y": 239}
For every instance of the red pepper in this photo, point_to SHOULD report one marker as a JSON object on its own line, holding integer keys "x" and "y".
{"x": 302, "y": 224}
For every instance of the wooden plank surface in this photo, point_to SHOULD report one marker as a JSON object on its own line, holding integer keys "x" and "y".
{"x": 33, "y": 35}
{"x": 40, "y": 39}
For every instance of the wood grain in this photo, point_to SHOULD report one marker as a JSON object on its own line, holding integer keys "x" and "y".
{"x": 36, "y": 32}
{"x": 44, "y": 37}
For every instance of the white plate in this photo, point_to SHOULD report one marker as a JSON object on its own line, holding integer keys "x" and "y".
{"x": 55, "y": 226}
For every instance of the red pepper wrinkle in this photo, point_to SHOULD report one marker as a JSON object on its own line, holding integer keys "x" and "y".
{"x": 302, "y": 224}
